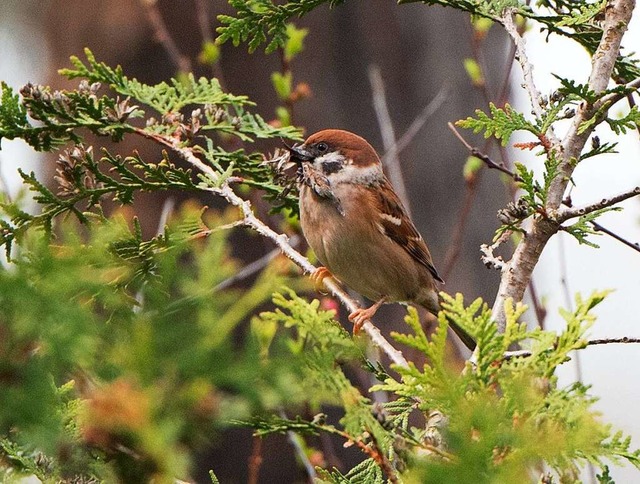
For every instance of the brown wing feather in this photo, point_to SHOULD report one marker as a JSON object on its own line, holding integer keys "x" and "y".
{"x": 399, "y": 228}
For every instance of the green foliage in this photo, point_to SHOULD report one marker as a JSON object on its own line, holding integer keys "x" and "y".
{"x": 122, "y": 354}
{"x": 365, "y": 472}
{"x": 507, "y": 404}
{"x": 147, "y": 341}
{"x": 83, "y": 182}
{"x": 583, "y": 227}
{"x": 580, "y": 21}
{"x": 504, "y": 414}
{"x": 500, "y": 123}
{"x": 474, "y": 72}
{"x": 259, "y": 21}
{"x": 630, "y": 121}
{"x": 209, "y": 54}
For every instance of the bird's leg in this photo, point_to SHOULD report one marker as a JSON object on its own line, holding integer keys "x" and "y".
{"x": 318, "y": 276}
{"x": 359, "y": 316}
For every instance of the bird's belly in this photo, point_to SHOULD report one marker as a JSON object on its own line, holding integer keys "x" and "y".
{"x": 346, "y": 247}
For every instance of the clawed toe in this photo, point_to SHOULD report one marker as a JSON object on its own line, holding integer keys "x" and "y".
{"x": 361, "y": 315}
{"x": 318, "y": 276}
{"x": 358, "y": 318}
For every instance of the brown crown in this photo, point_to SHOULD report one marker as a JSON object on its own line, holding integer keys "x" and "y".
{"x": 349, "y": 144}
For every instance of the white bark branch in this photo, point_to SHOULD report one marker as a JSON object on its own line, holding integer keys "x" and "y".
{"x": 527, "y": 69}
{"x": 281, "y": 240}
{"x": 517, "y": 275}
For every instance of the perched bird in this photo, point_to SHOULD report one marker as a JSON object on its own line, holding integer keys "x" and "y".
{"x": 358, "y": 227}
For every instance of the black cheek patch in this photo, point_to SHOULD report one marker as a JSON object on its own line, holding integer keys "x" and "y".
{"x": 330, "y": 167}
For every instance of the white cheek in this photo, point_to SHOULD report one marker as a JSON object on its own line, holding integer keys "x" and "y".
{"x": 333, "y": 157}
{"x": 356, "y": 174}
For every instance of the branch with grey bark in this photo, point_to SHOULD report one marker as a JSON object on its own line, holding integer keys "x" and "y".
{"x": 517, "y": 275}
{"x": 283, "y": 242}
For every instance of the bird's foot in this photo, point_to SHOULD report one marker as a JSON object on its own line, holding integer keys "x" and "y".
{"x": 361, "y": 315}
{"x": 318, "y": 276}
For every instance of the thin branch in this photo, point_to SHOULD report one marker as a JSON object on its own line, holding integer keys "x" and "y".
{"x": 391, "y": 159}
{"x": 455, "y": 246}
{"x": 181, "y": 61}
{"x": 600, "y": 228}
{"x": 419, "y": 121}
{"x": 281, "y": 240}
{"x": 569, "y": 213}
{"x": 255, "y": 461}
{"x": 471, "y": 182}
{"x": 527, "y": 68}
{"x": 483, "y": 156}
{"x": 204, "y": 24}
{"x": 167, "y": 209}
{"x": 592, "y": 342}
{"x": 294, "y": 439}
{"x": 490, "y": 163}
{"x": 608, "y": 341}
{"x": 255, "y": 266}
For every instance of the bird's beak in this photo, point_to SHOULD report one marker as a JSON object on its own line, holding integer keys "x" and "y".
{"x": 299, "y": 154}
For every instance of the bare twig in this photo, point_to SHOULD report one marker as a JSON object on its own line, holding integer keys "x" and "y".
{"x": 608, "y": 341}
{"x": 391, "y": 159}
{"x": 569, "y": 213}
{"x": 255, "y": 266}
{"x": 527, "y": 68}
{"x": 281, "y": 240}
{"x": 592, "y": 342}
{"x": 182, "y": 62}
{"x": 600, "y": 228}
{"x": 455, "y": 246}
{"x": 255, "y": 461}
{"x": 489, "y": 259}
{"x": 419, "y": 121}
{"x": 167, "y": 209}
{"x": 204, "y": 24}
{"x": 472, "y": 181}
{"x": 486, "y": 159}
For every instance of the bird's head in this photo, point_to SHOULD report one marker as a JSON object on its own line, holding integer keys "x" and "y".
{"x": 341, "y": 156}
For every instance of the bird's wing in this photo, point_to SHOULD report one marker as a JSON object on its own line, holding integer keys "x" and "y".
{"x": 395, "y": 224}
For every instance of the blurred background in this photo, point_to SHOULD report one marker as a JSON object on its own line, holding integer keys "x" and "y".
{"x": 419, "y": 54}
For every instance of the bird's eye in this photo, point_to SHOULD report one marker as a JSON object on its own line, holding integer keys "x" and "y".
{"x": 322, "y": 147}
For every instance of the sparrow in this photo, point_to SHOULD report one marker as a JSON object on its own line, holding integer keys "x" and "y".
{"x": 359, "y": 229}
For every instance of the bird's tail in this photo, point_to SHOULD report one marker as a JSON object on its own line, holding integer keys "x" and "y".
{"x": 433, "y": 306}
{"x": 465, "y": 337}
